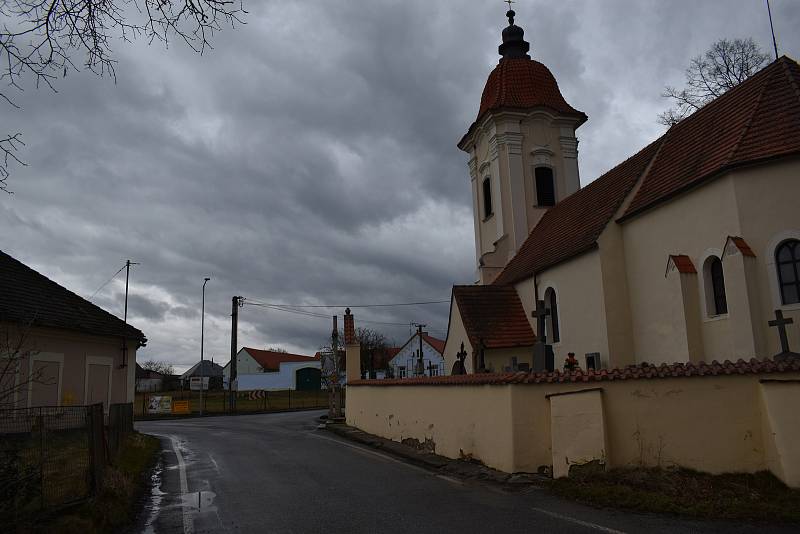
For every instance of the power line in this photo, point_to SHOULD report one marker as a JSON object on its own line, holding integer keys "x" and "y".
{"x": 107, "y": 282}
{"x": 420, "y": 303}
{"x": 305, "y": 313}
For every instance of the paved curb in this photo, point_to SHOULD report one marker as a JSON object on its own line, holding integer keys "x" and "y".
{"x": 460, "y": 468}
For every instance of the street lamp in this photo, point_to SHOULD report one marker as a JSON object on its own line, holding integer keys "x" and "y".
{"x": 202, "y": 331}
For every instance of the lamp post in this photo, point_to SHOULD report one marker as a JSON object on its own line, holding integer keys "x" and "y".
{"x": 202, "y": 331}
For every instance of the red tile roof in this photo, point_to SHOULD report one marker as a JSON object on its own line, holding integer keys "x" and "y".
{"x": 271, "y": 360}
{"x": 632, "y": 372}
{"x": 493, "y": 315}
{"x": 742, "y": 245}
{"x": 573, "y": 225}
{"x": 683, "y": 263}
{"x": 437, "y": 344}
{"x": 29, "y": 297}
{"x": 522, "y": 83}
{"x": 755, "y": 121}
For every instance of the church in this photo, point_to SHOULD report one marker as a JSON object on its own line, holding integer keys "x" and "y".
{"x": 684, "y": 252}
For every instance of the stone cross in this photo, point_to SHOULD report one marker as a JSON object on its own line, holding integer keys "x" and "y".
{"x": 781, "y": 323}
{"x": 540, "y": 314}
{"x": 458, "y": 366}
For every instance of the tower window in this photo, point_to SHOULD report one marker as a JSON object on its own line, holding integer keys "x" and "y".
{"x": 545, "y": 186}
{"x": 787, "y": 260}
{"x": 487, "y": 198}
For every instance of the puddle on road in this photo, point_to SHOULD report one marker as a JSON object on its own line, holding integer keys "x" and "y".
{"x": 153, "y": 506}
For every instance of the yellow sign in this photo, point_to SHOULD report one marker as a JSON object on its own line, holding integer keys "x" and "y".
{"x": 180, "y": 406}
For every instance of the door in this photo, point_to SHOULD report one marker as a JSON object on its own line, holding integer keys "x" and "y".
{"x": 308, "y": 379}
{"x": 97, "y": 377}
{"x": 45, "y": 376}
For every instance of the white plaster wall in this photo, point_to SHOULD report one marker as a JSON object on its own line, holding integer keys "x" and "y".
{"x": 691, "y": 224}
{"x": 275, "y": 380}
{"x": 579, "y": 294}
{"x": 456, "y": 334}
{"x": 408, "y": 353}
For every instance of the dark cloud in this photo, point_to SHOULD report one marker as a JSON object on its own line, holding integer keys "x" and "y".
{"x": 310, "y": 156}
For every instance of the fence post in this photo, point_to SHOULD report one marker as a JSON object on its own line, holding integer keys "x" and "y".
{"x": 97, "y": 445}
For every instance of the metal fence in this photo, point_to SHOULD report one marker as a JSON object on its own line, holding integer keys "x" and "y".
{"x": 218, "y": 402}
{"x": 52, "y": 457}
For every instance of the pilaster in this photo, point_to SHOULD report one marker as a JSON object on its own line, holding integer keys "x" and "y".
{"x": 740, "y": 292}
{"x": 569, "y": 151}
{"x": 512, "y": 142}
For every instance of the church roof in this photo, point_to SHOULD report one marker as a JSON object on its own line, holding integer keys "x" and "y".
{"x": 493, "y": 315}
{"x": 522, "y": 84}
{"x": 756, "y": 121}
{"x": 573, "y": 225}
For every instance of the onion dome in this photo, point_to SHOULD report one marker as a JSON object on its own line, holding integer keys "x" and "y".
{"x": 519, "y": 82}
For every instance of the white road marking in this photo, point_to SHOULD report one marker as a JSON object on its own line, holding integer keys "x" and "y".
{"x": 587, "y": 524}
{"x": 188, "y": 522}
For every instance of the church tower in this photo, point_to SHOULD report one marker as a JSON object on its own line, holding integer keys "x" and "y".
{"x": 523, "y": 153}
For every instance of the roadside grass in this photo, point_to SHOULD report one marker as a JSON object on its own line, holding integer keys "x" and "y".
{"x": 115, "y": 506}
{"x": 737, "y": 496}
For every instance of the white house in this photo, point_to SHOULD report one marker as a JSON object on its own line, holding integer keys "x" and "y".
{"x": 404, "y": 363}
{"x": 268, "y": 370}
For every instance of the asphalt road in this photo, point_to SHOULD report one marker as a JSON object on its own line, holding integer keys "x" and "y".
{"x": 277, "y": 473}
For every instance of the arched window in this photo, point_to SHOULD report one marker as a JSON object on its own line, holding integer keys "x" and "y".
{"x": 787, "y": 261}
{"x": 487, "y": 198}
{"x": 545, "y": 187}
{"x": 716, "y": 302}
{"x": 553, "y": 333}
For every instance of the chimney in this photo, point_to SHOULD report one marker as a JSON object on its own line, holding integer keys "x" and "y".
{"x": 349, "y": 328}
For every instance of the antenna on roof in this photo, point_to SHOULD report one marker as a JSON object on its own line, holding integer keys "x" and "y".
{"x": 772, "y": 28}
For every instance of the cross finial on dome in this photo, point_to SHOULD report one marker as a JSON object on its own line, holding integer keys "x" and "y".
{"x": 514, "y": 44}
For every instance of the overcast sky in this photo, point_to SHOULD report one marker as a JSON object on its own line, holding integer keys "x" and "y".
{"x": 310, "y": 157}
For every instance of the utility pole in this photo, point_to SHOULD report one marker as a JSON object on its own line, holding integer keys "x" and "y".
{"x": 128, "y": 264}
{"x": 421, "y": 361}
{"x": 772, "y": 28}
{"x": 235, "y": 303}
{"x": 202, "y": 332}
{"x": 333, "y": 381}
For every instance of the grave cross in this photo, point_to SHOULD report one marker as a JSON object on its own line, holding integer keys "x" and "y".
{"x": 781, "y": 323}
{"x": 540, "y": 314}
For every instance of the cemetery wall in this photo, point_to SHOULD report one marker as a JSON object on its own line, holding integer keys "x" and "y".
{"x": 737, "y": 422}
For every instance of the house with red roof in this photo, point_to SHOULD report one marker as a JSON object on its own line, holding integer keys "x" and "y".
{"x": 681, "y": 253}
{"x": 404, "y": 362}
{"x": 258, "y": 369}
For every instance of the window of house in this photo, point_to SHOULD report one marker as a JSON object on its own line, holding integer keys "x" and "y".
{"x": 487, "y": 198}
{"x": 553, "y": 333}
{"x": 545, "y": 186}
{"x": 716, "y": 301}
{"x": 787, "y": 261}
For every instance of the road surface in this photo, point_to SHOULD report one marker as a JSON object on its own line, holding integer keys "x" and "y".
{"x": 277, "y": 473}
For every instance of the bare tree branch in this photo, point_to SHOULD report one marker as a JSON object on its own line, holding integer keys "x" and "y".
{"x": 40, "y": 38}
{"x": 724, "y": 66}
